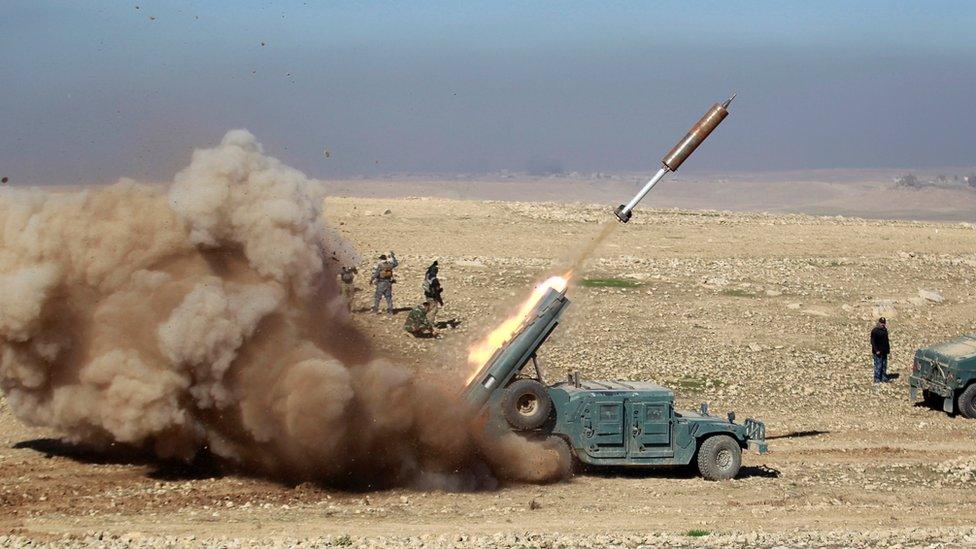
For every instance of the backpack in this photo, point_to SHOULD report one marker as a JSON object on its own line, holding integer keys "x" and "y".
{"x": 386, "y": 271}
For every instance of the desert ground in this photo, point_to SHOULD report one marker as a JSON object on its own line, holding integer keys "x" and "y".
{"x": 764, "y": 314}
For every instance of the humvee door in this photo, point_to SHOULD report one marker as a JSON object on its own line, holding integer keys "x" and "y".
{"x": 649, "y": 429}
{"x": 603, "y": 427}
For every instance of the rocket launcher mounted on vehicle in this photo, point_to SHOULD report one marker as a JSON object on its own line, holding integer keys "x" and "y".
{"x": 679, "y": 153}
{"x": 601, "y": 423}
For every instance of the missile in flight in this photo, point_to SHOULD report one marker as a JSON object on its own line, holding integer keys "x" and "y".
{"x": 679, "y": 153}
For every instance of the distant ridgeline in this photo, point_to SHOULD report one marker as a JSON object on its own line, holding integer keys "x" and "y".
{"x": 942, "y": 180}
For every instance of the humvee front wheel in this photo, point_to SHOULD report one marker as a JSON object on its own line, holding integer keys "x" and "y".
{"x": 967, "y": 402}
{"x": 719, "y": 458}
{"x": 526, "y": 405}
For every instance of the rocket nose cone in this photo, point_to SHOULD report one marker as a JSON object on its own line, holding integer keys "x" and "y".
{"x": 729, "y": 100}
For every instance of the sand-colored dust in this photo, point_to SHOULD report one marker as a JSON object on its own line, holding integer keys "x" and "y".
{"x": 204, "y": 317}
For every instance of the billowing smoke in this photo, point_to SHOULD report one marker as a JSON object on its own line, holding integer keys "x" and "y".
{"x": 205, "y": 317}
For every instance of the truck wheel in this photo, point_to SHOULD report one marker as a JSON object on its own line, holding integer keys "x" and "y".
{"x": 566, "y": 453}
{"x": 967, "y": 402}
{"x": 719, "y": 458}
{"x": 526, "y": 405}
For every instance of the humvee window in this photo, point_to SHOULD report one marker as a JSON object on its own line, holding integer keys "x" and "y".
{"x": 654, "y": 413}
{"x": 608, "y": 412}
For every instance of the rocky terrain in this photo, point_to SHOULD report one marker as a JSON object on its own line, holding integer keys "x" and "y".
{"x": 767, "y": 315}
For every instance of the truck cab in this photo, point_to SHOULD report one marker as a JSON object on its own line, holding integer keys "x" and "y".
{"x": 945, "y": 374}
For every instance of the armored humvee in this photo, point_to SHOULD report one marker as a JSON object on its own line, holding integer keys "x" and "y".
{"x": 603, "y": 423}
{"x": 946, "y": 374}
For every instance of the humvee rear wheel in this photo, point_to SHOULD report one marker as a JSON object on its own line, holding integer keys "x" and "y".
{"x": 526, "y": 405}
{"x": 566, "y": 454}
{"x": 967, "y": 402}
{"x": 719, "y": 458}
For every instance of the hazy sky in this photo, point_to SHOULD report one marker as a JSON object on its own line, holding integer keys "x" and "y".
{"x": 101, "y": 89}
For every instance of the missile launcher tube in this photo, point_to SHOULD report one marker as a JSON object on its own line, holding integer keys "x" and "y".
{"x": 511, "y": 357}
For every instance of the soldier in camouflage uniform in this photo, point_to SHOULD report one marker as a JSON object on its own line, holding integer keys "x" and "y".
{"x": 418, "y": 324}
{"x": 383, "y": 279}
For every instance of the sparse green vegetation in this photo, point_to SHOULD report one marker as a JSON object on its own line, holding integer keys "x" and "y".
{"x": 343, "y": 541}
{"x": 738, "y": 292}
{"x": 609, "y": 283}
{"x": 698, "y": 533}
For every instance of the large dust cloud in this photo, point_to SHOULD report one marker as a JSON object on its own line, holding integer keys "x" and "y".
{"x": 204, "y": 316}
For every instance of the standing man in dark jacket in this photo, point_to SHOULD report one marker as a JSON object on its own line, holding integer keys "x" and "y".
{"x": 432, "y": 293}
{"x": 880, "y": 349}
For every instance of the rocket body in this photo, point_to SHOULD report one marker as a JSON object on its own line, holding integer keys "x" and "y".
{"x": 679, "y": 153}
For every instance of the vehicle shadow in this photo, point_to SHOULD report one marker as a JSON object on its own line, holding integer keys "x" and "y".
{"x": 937, "y": 405}
{"x": 759, "y": 471}
{"x": 202, "y": 466}
{"x": 680, "y": 472}
{"x": 799, "y": 434}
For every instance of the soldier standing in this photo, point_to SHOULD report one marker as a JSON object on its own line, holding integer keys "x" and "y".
{"x": 432, "y": 293}
{"x": 346, "y": 277}
{"x": 880, "y": 349}
{"x": 383, "y": 279}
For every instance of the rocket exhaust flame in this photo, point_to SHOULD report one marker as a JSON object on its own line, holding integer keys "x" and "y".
{"x": 481, "y": 352}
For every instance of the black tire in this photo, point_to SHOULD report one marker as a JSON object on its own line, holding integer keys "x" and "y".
{"x": 526, "y": 405}
{"x": 967, "y": 402}
{"x": 566, "y": 454}
{"x": 719, "y": 458}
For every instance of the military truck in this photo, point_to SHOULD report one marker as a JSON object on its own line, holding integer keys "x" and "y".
{"x": 602, "y": 423}
{"x": 946, "y": 374}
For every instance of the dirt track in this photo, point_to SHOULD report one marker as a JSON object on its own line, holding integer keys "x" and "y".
{"x": 766, "y": 315}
